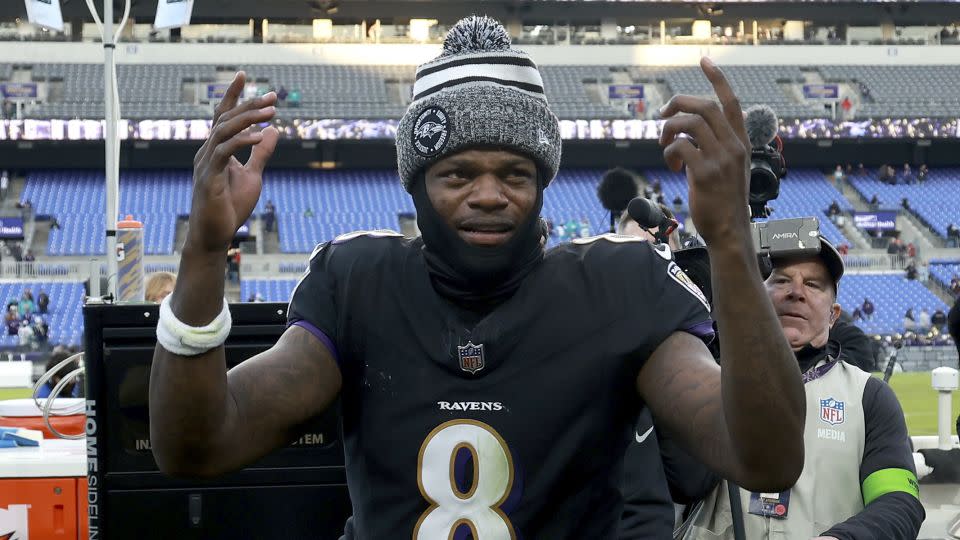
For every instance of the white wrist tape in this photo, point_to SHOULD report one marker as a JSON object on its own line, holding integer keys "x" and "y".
{"x": 184, "y": 340}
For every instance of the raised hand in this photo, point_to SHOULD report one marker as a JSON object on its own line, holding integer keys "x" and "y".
{"x": 225, "y": 191}
{"x": 716, "y": 152}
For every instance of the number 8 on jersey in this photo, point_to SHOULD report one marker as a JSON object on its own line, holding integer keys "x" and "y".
{"x": 479, "y": 507}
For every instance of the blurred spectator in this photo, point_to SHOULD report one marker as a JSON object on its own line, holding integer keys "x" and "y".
{"x": 886, "y": 174}
{"x": 908, "y": 177}
{"x": 571, "y": 229}
{"x": 9, "y": 110}
{"x": 905, "y": 203}
{"x": 43, "y": 302}
{"x": 159, "y": 285}
{"x": 25, "y": 307}
{"x": 893, "y": 250}
{"x": 41, "y": 332}
{"x": 73, "y": 389}
{"x": 269, "y": 216}
{"x": 909, "y": 322}
{"x": 944, "y": 34}
{"x": 874, "y": 202}
{"x": 844, "y": 249}
{"x": 677, "y": 204}
{"x": 922, "y": 173}
{"x": 12, "y": 320}
{"x": 25, "y": 333}
{"x": 867, "y": 307}
{"x": 857, "y": 315}
{"x": 838, "y": 177}
{"x": 846, "y": 105}
{"x": 861, "y": 170}
{"x": 911, "y": 271}
{"x": 308, "y": 213}
{"x": 233, "y": 265}
{"x": 923, "y": 271}
{"x": 953, "y": 235}
{"x": 923, "y": 321}
{"x": 955, "y": 285}
{"x": 834, "y": 209}
{"x": 54, "y": 224}
{"x": 938, "y": 320}
{"x": 294, "y": 99}
{"x": 4, "y": 184}
{"x": 584, "y": 227}
{"x": 282, "y": 95}
{"x": 657, "y": 186}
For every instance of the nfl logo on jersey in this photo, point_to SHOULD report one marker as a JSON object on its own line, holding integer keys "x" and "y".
{"x": 471, "y": 357}
{"x": 831, "y": 411}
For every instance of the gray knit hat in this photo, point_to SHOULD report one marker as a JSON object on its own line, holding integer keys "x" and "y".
{"x": 478, "y": 92}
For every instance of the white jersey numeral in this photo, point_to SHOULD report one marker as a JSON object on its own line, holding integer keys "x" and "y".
{"x": 479, "y": 507}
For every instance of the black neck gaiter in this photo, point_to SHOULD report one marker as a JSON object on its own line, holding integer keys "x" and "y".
{"x": 477, "y": 278}
{"x": 809, "y": 355}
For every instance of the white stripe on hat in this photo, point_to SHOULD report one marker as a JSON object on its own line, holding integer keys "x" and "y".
{"x": 488, "y": 69}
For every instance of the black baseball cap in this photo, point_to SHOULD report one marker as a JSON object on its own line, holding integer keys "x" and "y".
{"x": 831, "y": 259}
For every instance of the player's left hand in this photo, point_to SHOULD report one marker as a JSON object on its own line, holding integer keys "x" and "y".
{"x": 716, "y": 152}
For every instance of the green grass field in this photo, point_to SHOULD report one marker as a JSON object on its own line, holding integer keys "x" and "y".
{"x": 919, "y": 401}
{"x": 14, "y": 393}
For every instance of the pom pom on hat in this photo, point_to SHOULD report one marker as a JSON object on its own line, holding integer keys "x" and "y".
{"x": 476, "y": 34}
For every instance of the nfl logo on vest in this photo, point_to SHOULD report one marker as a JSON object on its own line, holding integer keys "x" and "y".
{"x": 471, "y": 357}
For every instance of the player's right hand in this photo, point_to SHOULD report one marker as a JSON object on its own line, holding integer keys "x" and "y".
{"x": 225, "y": 191}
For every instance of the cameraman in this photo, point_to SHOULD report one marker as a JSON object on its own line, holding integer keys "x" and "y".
{"x": 858, "y": 480}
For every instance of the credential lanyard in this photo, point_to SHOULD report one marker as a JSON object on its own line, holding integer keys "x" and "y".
{"x": 816, "y": 373}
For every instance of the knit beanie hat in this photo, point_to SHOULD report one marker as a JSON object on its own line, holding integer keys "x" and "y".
{"x": 478, "y": 93}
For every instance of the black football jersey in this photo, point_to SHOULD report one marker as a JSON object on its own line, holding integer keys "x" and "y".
{"x": 510, "y": 426}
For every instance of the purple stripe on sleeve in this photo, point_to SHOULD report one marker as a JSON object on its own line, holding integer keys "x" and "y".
{"x": 703, "y": 330}
{"x": 319, "y": 334}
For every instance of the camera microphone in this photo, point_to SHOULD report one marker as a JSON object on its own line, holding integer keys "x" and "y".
{"x": 645, "y": 213}
{"x": 648, "y": 215}
{"x": 762, "y": 125}
{"x": 767, "y": 165}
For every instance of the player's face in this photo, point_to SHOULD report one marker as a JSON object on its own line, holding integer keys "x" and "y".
{"x": 803, "y": 297}
{"x": 484, "y": 195}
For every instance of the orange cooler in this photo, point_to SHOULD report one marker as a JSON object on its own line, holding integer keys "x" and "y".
{"x": 43, "y": 490}
{"x": 23, "y": 413}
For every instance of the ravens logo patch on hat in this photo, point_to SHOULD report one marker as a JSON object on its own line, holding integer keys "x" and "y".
{"x": 431, "y": 131}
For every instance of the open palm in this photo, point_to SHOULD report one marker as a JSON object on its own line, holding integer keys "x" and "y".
{"x": 225, "y": 191}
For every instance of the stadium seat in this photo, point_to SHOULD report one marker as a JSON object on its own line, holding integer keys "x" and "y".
{"x": 935, "y": 201}
{"x": 892, "y": 294}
